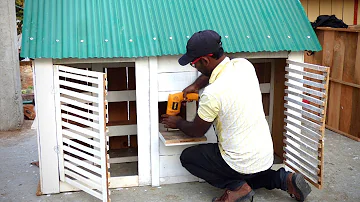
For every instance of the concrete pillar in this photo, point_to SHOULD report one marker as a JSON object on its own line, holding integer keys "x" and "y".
{"x": 11, "y": 109}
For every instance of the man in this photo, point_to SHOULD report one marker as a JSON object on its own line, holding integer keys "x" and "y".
{"x": 241, "y": 160}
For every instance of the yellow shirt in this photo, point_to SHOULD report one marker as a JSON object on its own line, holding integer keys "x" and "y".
{"x": 232, "y": 100}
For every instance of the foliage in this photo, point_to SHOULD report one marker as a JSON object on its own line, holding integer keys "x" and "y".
{"x": 19, "y": 14}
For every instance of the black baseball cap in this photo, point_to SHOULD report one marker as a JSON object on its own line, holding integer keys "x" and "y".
{"x": 200, "y": 44}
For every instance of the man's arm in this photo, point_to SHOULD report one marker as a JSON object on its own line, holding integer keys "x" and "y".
{"x": 197, "y": 128}
{"x": 201, "y": 82}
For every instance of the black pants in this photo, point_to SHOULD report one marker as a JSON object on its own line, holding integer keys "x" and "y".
{"x": 206, "y": 162}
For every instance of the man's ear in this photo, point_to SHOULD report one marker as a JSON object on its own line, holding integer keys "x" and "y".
{"x": 205, "y": 61}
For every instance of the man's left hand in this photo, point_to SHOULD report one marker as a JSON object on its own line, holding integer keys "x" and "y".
{"x": 170, "y": 121}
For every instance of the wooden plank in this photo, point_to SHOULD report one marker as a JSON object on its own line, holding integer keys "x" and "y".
{"x": 84, "y": 188}
{"x": 303, "y": 137}
{"x": 175, "y": 81}
{"x": 301, "y": 143}
{"x": 81, "y": 138}
{"x": 120, "y": 96}
{"x": 325, "y": 7}
{"x": 305, "y": 82}
{"x": 79, "y": 95}
{"x": 350, "y": 57}
{"x": 78, "y": 86}
{"x": 78, "y": 104}
{"x": 307, "y": 65}
{"x": 78, "y": 77}
{"x": 348, "y": 12}
{"x": 306, "y": 176}
{"x": 344, "y": 83}
{"x": 306, "y": 122}
{"x": 83, "y": 180}
{"x": 304, "y": 113}
{"x": 117, "y": 79}
{"x": 177, "y": 137}
{"x": 82, "y": 163}
{"x": 355, "y": 111}
{"x": 154, "y": 128}
{"x": 78, "y": 71}
{"x": 80, "y": 130}
{"x": 304, "y": 105}
{"x": 81, "y": 147}
{"x": 307, "y": 74}
{"x": 131, "y": 78}
{"x": 91, "y": 176}
{"x": 278, "y": 107}
{"x": 306, "y": 90}
{"x": 122, "y": 130}
{"x": 46, "y": 125}
{"x": 80, "y": 120}
{"x": 357, "y": 61}
{"x": 313, "y": 9}
{"x": 306, "y": 97}
{"x": 84, "y": 114}
{"x": 309, "y": 160}
{"x": 337, "y": 8}
{"x": 81, "y": 155}
{"x": 342, "y": 133}
{"x": 142, "y": 73}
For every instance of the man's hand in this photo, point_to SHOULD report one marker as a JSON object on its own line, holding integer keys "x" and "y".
{"x": 170, "y": 121}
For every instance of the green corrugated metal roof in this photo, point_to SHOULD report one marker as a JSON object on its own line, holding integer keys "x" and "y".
{"x": 137, "y": 28}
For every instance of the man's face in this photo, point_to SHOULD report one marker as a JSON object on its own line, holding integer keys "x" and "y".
{"x": 200, "y": 66}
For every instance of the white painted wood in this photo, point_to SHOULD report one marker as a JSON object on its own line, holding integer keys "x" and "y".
{"x": 73, "y": 135}
{"x": 84, "y": 188}
{"x": 77, "y": 77}
{"x": 170, "y": 64}
{"x": 154, "y": 128}
{"x": 123, "y": 159}
{"x": 80, "y": 120}
{"x": 120, "y": 96}
{"x": 46, "y": 125}
{"x": 175, "y": 81}
{"x": 78, "y": 104}
{"x": 178, "y": 179}
{"x": 115, "y": 182}
{"x": 81, "y": 147}
{"x": 191, "y": 111}
{"x": 78, "y": 112}
{"x": 177, "y": 144}
{"x": 102, "y": 137}
{"x": 83, "y": 163}
{"x": 168, "y": 151}
{"x": 78, "y": 71}
{"x": 92, "y": 60}
{"x": 126, "y": 181}
{"x": 250, "y": 55}
{"x": 122, "y": 130}
{"x": 83, "y": 180}
{"x": 170, "y": 166}
{"x": 82, "y": 155}
{"x": 78, "y": 86}
{"x": 78, "y": 95}
{"x": 94, "y": 178}
{"x": 142, "y": 73}
{"x": 80, "y": 129}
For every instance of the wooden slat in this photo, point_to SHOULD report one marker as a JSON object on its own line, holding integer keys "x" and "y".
{"x": 303, "y": 137}
{"x": 345, "y": 83}
{"x": 337, "y": 8}
{"x": 304, "y": 157}
{"x": 325, "y": 7}
{"x": 78, "y": 77}
{"x": 120, "y": 96}
{"x": 306, "y": 82}
{"x": 84, "y": 188}
{"x": 79, "y": 95}
{"x": 298, "y": 141}
{"x": 81, "y": 130}
{"x": 348, "y": 14}
{"x": 81, "y": 147}
{"x": 306, "y": 97}
{"x": 307, "y": 106}
{"x": 78, "y": 86}
{"x": 305, "y": 129}
{"x": 83, "y": 164}
{"x": 78, "y": 71}
{"x": 78, "y": 104}
{"x": 176, "y": 137}
{"x": 79, "y": 112}
{"x": 305, "y": 121}
{"x": 81, "y": 138}
{"x": 292, "y": 160}
{"x": 306, "y": 90}
{"x": 81, "y": 171}
{"x": 307, "y": 65}
{"x": 304, "y": 113}
{"x": 83, "y": 180}
{"x": 80, "y": 120}
{"x": 313, "y": 9}
{"x": 307, "y": 74}
{"x": 81, "y": 154}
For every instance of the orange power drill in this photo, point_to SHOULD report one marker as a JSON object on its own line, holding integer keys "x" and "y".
{"x": 174, "y": 102}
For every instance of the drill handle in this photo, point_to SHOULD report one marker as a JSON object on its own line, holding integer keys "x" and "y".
{"x": 192, "y": 97}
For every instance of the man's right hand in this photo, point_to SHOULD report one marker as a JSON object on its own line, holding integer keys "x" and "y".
{"x": 190, "y": 89}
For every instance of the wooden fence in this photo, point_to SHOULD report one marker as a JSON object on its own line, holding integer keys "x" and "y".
{"x": 341, "y": 52}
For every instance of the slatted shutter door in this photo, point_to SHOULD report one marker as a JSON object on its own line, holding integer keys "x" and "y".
{"x": 81, "y": 111}
{"x": 305, "y": 110}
